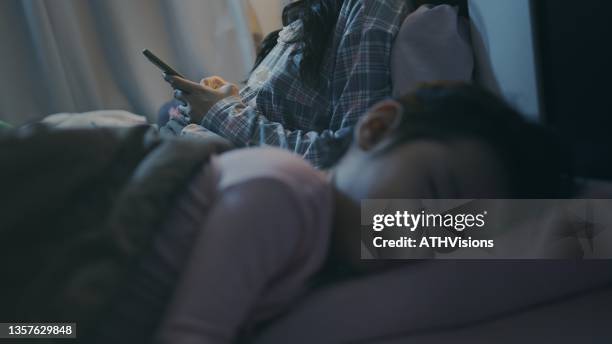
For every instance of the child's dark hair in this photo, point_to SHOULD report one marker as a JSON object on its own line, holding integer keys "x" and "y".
{"x": 537, "y": 163}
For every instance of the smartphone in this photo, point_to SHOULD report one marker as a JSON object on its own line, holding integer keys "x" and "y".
{"x": 160, "y": 64}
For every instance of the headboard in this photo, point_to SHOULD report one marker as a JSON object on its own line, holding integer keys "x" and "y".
{"x": 463, "y": 5}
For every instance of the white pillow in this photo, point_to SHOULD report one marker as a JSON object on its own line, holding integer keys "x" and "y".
{"x": 433, "y": 44}
{"x": 94, "y": 119}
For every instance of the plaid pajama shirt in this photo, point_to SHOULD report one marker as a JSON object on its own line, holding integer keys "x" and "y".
{"x": 276, "y": 108}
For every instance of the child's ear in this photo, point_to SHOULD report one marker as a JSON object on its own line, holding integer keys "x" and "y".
{"x": 378, "y": 123}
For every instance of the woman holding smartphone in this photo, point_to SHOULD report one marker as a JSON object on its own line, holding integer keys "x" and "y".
{"x": 311, "y": 83}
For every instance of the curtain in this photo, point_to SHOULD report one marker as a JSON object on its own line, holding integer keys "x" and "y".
{"x": 82, "y": 55}
{"x": 269, "y": 13}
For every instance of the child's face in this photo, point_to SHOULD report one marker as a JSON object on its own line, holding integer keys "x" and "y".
{"x": 420, "y": 169}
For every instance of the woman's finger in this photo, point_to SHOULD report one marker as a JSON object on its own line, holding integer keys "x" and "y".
{"x": 185, "y": 98}
{"x": 180, "y": 96}
{"x": 182, "y": 84}
{"x": 185, "y": 109}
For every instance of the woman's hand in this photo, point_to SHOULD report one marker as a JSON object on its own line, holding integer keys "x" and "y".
{"x": 197, "y": 99}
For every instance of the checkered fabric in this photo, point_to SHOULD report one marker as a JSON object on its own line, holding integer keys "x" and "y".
{"x": 276, "y": 108}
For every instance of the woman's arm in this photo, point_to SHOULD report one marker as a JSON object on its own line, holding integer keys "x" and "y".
{"x": 244, "y": 125}
{"x": 363, "y": 79}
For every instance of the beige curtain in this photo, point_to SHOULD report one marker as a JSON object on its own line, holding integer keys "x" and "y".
{"x": 269, "y": 13}
{"x": 82, "y": 55}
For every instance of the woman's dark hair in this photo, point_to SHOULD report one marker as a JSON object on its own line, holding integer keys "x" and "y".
{"x": 318, "y": 22}
{"x": 537, "y": 163}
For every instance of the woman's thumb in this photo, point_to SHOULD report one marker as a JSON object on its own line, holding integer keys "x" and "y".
{"x": 213, "y": 82}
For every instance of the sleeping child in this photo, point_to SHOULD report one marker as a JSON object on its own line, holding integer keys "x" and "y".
{"x": 244, "y": 238}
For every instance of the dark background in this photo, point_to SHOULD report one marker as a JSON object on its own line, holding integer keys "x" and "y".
{"x": 574, "y": 45}
{"x": 574, "y": 41}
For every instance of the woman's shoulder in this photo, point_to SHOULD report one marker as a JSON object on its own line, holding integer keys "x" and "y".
{"x": 381, "y": 15}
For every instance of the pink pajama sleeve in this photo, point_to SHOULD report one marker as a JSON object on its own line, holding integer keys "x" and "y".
{"x": 255, "y": 253}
